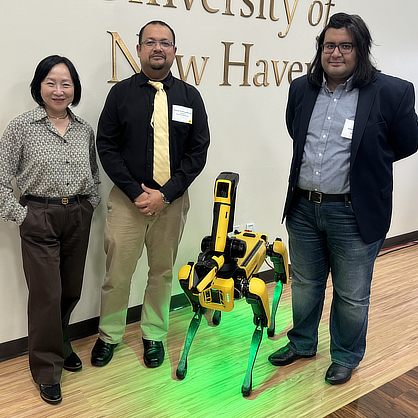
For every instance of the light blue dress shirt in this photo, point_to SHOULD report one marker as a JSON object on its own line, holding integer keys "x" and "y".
{"x": 326, "y": 158}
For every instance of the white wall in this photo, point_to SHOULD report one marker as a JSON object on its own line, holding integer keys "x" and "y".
{"x": 247, "y": 122}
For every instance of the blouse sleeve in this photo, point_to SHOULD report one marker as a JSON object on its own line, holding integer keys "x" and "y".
{"x": 10, "y": 155}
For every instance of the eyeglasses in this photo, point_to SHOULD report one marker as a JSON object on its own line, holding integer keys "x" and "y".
{"x": 344, "y": 48}
{"x": 152, "y": 44}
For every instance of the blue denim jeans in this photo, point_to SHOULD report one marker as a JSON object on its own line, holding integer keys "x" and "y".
{"x": 322, "y": 238}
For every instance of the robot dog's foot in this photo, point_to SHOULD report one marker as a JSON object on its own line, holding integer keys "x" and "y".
{"x": 181, "y": 370}
{"x": 246, "y": 388}
{"x": 216, "y": 318}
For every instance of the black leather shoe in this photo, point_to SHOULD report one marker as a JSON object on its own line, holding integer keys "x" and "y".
{"x": 337, "y": 374}
{"x": 51, "y": 393}
{"x": 102, "y": 353}
{"x": 153, "y": 353}
{"x": 73, "y": 363}
{"x": 286, "y": 356}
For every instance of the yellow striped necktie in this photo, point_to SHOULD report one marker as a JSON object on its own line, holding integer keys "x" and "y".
{"x": 161, "y": 144}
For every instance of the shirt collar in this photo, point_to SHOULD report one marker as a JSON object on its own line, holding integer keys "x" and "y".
{"x": 168, "y": 81}
{"x": 39, "y": 113}
{"x": 347, "y": 86}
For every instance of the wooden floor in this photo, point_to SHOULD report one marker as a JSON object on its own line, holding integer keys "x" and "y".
{"x": 398, "y": 398}
{"x": 218, "y": 361}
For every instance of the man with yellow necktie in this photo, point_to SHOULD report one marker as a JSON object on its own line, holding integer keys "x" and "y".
{"x": 152, "y": 140}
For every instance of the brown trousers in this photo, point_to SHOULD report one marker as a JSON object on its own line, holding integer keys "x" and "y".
{"x": 54, "y": 241}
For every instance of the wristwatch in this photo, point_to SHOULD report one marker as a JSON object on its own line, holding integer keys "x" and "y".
{"x": 165, "y": 200}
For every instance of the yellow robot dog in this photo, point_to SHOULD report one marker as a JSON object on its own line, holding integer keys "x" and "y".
{"x": 226, "y": 270}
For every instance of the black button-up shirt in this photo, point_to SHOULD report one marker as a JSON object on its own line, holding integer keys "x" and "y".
{"x": 125, "y": 137}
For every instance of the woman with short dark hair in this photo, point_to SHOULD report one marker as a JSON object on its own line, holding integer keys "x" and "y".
{"x": 50, "y": 152}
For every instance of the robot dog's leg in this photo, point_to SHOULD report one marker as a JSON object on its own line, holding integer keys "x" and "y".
{"x": 276, "y": 299}
{"x": 255, "y": 345}
{"x": 257, "y": 297}
{"x": 193, "y": 327}
{"x": 278, "y": 255}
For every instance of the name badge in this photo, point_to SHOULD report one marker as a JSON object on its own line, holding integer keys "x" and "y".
{"x": 348, "y": 129}
{"x": 182, "y": 114}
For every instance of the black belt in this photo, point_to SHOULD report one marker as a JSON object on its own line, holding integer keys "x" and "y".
{"x": 55, "y": 201}
{"x": 318, "y": 197}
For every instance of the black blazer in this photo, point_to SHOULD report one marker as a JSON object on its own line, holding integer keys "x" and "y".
{"x": 385, "y": 130}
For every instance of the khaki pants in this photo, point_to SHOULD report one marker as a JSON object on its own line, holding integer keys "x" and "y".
{"x": 127, "y": 231}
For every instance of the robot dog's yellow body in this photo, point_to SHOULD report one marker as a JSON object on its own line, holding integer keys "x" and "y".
{"x": 226, "y": 270}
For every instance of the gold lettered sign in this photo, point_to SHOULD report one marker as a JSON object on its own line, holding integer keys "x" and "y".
{"x": 271, "y": 72}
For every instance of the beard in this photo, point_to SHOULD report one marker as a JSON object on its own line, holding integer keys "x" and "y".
{"x": 157, "y": 65}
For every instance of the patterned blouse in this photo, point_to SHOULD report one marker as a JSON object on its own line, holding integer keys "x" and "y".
{"x": 44, "y": 163}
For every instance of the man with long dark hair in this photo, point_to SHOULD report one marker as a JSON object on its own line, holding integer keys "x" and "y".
{"x": 349, "y": 123}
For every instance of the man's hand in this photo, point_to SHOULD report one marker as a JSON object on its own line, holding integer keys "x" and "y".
{"x": 150, "y": 202}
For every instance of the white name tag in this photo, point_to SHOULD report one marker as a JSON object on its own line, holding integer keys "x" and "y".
{"x": 182, "y": 114}
{"x": 348, "y": 129}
